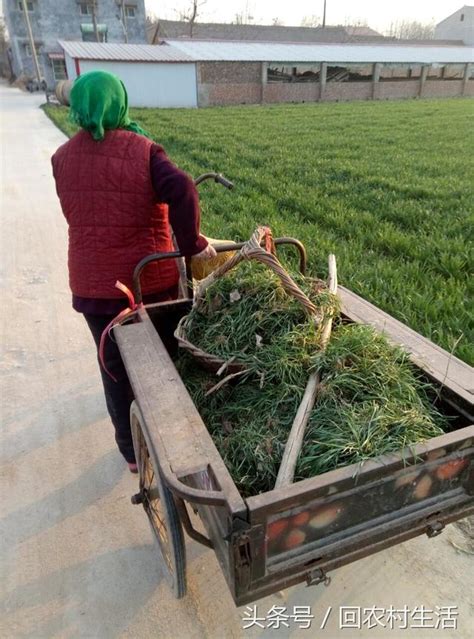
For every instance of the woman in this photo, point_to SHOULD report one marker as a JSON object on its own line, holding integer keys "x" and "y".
{"x": 119, "y": 193}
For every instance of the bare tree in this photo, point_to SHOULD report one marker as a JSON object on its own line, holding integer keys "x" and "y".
{"x": 5, "y": 61}
{"x": 411, "y": 30}
{"x": 190, "y": 15}
{"x": 311, "y": 21}
{"x": 245, "y": 16}
{"x": 277, "y": 22}
{"x": 355, "y": 22}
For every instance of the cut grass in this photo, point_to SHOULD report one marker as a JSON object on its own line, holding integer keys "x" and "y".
{"x": 371, "y": 400}
{"x": 386, "y": 186}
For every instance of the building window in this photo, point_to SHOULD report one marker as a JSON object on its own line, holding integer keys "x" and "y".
{"x": 462, "y": 17}
{"x": 28, "y": 53}
{"x": 59, "y": 69}
{"x": 86, "y": 8}
{"x": 29, "y": 5}
{"x": 130, "y": 12}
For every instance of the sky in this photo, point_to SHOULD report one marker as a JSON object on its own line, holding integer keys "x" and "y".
{"x": 377, "y": 13}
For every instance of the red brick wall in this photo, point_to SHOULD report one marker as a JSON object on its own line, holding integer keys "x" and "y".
{"x": 221, "y": 83}
{"x": 285, "y": 92}
{"x": 221, "y": 94}
{"x": 230, "y": 72}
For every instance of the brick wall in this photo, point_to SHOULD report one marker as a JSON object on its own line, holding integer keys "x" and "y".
{"x": 469, "y": 88}
{"x": 347, "y": 91}
{"x": 442, "y": 89}
{"x": 283, "y": 92}
{"x": 397, "y": 89}
{"x": 224, "y": 94}
{"x": 230, "y": 72}
{"x": 222, "y": 83}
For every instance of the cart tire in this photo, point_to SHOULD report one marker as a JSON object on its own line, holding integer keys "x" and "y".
{"x": 159, "y": 505}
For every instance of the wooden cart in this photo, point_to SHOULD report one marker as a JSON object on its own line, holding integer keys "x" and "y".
{"x": 346, "y": 514}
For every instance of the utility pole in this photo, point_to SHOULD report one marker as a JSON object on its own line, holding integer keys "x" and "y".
{"x": 94, "y": 20}
{"x": 324, "y": 14}
{"x": 32, "y": 42}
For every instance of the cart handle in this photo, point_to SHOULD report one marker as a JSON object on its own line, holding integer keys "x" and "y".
{"x": 220, "y": 248}
{"x": 177, "y": 487}
{"x": 217, "y": 177}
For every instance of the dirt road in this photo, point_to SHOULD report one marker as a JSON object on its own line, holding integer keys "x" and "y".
{"x": 77, "y": 559}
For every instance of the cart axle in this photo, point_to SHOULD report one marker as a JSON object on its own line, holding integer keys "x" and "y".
{"x": 137, "y": 499}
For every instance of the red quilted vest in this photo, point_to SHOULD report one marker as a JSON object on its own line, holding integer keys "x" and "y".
{"x": 114, "y": 219}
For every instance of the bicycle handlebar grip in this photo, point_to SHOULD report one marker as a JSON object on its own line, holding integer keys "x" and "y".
{"x": 224, "y": 181}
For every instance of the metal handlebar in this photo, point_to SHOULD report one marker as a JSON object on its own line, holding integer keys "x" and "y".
{"x": 220, "y": 248}
{"x": 217, "y": 177}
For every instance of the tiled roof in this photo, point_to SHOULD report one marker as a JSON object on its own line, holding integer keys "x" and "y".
{"x": 165, "y": 29}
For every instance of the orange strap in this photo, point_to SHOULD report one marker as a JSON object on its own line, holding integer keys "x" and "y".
{"x": 127, "y": 313}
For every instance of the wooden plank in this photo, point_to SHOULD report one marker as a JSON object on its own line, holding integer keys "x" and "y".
{"x": 444, "y": 368}
{"x": 172, "y": 419}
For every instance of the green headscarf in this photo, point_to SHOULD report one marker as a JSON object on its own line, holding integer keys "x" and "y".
{"x": 99, "y": 102}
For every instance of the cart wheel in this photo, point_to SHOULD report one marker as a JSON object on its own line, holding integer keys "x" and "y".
{"x": 160, "y": 508}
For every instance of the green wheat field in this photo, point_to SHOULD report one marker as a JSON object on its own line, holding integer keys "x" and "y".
{"x": 386, "y": 186}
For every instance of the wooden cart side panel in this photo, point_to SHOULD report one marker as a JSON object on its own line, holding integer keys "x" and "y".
{"x": 445, "y": 369}
{"x": 330, "y": 483}
{"x": 383, "y": 536}
{"x": 174, "y": 424}
{"x": 341, "y": 516}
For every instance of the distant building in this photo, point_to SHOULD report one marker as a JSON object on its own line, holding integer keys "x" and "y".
{"x": 199, "y": 73}
{"x": 458, "y": 26}
{"x": 52, "y": 20}
{"x": 164, "y": 29}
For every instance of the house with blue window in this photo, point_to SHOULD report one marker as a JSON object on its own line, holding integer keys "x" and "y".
{"x": 120, "y": 21}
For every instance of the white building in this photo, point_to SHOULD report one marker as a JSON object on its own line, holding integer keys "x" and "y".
{"x": 458, "y": 26}
{"x": 154, "y": 76}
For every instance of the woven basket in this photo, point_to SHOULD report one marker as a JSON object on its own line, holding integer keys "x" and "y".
{"x": 250, "y": 251}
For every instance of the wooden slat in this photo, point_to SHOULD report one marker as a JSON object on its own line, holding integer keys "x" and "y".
{"x": 444, "y": 368}
{"x": 172, "y": 419}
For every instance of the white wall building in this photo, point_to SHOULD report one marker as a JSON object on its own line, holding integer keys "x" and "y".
{"x": 458, "y": 26}
{"x": 154, "y": 76}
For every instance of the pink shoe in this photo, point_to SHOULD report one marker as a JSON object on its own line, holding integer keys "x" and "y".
{"x": 133, "y": 468}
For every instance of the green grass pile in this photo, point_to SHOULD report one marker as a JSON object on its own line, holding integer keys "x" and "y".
{"x": 248, "y": 315}
{"x": 371, "y": 401}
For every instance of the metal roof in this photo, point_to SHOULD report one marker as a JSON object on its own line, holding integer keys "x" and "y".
{"x": 237, "y": 51}
{"x": 124, "y": 52}
{"x": 233, "y": 51}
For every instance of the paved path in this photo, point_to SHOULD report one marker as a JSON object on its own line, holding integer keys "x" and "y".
{"x": 77, "y": 559}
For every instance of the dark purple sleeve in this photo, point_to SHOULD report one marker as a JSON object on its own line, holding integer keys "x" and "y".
{"x": 176, "y": 189}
